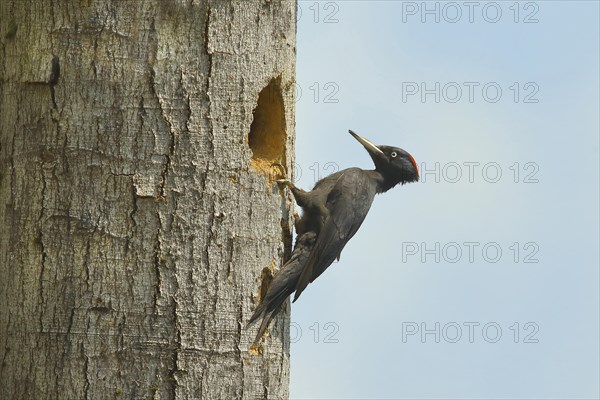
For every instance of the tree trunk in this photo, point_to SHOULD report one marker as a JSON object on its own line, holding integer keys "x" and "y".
{"x": 139, "y": 217}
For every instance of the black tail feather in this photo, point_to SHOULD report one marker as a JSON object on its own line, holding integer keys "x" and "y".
{"x": 283, "y": 284}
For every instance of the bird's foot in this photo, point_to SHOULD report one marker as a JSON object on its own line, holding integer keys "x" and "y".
{"x": 285, "y": 182}
{"x": 282, "y": 169}
{"x": 297, "y": 222}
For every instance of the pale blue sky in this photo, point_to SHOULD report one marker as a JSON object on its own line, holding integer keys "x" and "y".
{"x": 368, "y": 61}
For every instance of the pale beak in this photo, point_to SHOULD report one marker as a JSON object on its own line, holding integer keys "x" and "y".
{"x": 371, "y": 148}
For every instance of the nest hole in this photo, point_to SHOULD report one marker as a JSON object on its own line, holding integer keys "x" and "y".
{"x": 267, "y": 131}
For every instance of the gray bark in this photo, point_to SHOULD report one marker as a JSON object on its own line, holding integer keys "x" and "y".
{"x": 139, "y": 214}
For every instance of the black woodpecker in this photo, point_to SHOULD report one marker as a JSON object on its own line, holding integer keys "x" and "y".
{"x": 339, "y": 203}
{"x": 332, "y": 213}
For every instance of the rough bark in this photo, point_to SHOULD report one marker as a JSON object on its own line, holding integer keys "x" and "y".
{"x": 138, "y": 214}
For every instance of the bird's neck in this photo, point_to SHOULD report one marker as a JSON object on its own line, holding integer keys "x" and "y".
{"x": 383, "y": 182}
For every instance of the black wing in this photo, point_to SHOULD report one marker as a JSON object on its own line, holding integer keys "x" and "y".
{"x": 348, "y": 203}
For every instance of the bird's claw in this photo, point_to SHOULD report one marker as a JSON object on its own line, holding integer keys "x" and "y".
{"x": 281, "y": 168}
{"x": 285, "y": 182}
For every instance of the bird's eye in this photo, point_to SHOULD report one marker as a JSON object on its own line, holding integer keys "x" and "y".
{"x": 394, "y": 154}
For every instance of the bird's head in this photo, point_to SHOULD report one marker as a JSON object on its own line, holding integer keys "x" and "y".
{"x": 395, "y": 164}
